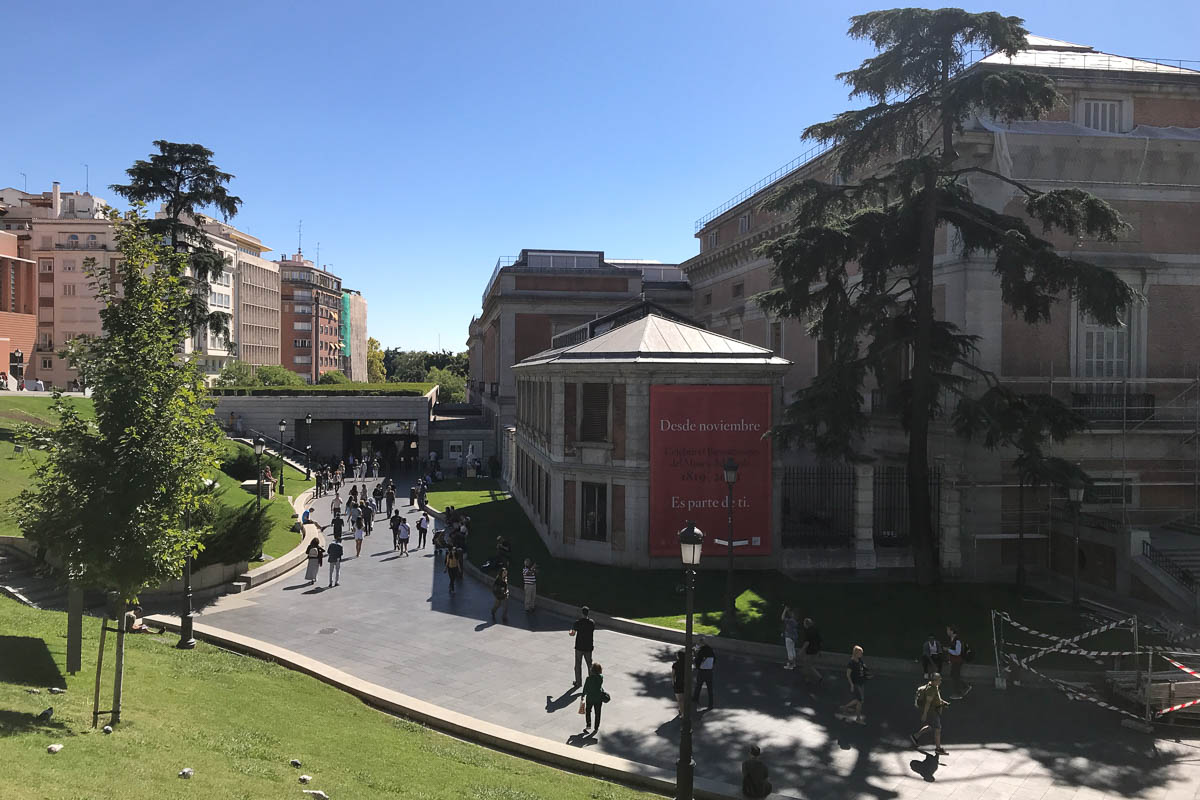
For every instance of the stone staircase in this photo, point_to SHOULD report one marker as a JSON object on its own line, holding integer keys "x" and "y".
{"x": 20, "y": 580}
{"x": 1188, "y": 525}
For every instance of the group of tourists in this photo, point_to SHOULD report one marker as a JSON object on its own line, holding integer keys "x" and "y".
{"x": 330, "y": 477}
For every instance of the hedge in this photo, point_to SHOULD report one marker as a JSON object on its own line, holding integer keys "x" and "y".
{"x": 366, "y": 389}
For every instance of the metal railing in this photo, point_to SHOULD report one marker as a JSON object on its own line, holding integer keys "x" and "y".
{"x": 1169, "y": 566}
{"x": 501, "y": 263}
{"x": 808, "y": 156}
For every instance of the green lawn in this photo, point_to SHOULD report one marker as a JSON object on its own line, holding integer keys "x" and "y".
{"x": 887, "y": 618}
{"x": 237, "y": 721}
{"x": 16, "y": 472}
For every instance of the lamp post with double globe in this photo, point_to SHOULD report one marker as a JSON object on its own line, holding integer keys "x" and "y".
{"x": 308, "y": 447}
{"x": 730, "y": 468}
{"x": 259, "y": 446}
{"x": 1075, "y": 493}
{"x": 282, "y": 465}
{"x": 691, "y": 541}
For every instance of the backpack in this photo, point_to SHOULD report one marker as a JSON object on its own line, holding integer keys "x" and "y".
{"x": 919, "y": 697}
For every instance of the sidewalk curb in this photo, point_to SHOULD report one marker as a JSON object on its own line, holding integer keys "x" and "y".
{"x": 508, "y": 740}
{"x": 286, "y": 562}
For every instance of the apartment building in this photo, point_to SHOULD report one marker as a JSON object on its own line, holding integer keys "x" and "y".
{"x": 60, "y": 231}
{"x": 1129, "y": 131}
{"x": 310, "y": 317}
{"x": 539, "y": 294}
{"x": 249, "y": 292}
{"x": 354, "y": 335}
{"x": 18, "y": 308}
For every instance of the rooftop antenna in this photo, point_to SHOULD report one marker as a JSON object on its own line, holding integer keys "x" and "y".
{"x": 319, "y": 256}
{"x": 26, "y": 178}
{"x": 87, "y": 179}
{"x": 300, "y": 238}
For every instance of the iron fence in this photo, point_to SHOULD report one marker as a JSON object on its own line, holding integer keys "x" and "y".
{"x": 818, "y": 506}
{"x": 891, "y": 525}
{"x": 1169, "y": 566}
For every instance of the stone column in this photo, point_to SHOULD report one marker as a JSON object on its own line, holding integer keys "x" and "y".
{"x": 864, "y": 516}
{"x": 950, "y": 520}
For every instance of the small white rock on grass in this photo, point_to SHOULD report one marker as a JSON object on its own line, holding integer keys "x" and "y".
{"x": 295, "y": 762}
{"x": 305, "y": 778}
{"x": 33, "y": 691}
{"x": 107, "y": 729}
{"x": 186, "y": 772}
{"x": 317, "y": 793}
{"x": 56, "y": 690}
{"x": 54, "y": 748}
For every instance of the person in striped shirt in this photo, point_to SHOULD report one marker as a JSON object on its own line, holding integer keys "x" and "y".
{"x": 529, "y": 577}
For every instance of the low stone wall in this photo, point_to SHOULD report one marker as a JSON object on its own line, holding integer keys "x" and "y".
{"x": 276, "y": 567}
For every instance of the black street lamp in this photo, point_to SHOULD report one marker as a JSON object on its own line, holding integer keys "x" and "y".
{"x": 731, "y": 475}
{"x": 187, "y": 641}
{"x": 282, "y": 465}
{"x": 308, "y": 447}
{"x": 691, "y": 541}
{"x": 259, "y": 446}
{"x": 1075, "y": 493}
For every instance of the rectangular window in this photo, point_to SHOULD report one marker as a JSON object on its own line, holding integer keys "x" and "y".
{"x": 454, "y": 451}
{"x": 594, "y": 512}
{"x": 46, "y": 289}
{"x": 45, "y": 265}
{"x": 739, "y": 290}
{"x": 744, "y": 223}
{"x": 776, "y": 333}
{"x": 708, "y": 298}
{"x": 47, "y": 363}
{"x": 713, "y": 238}
{"x": 1103, "y": 350}
{"x": 68, "y": 290}
{"x": 302, "y": 360}
{"x": 593, "y": 425}
{"x": 302, "y": 342}
{"x": 1110, "y": 491}
{"x": 1102, "y": 115}
{"x": 46, "y": 314}
{"x": 68, "y": 265}
{"x": 302, "y": 326}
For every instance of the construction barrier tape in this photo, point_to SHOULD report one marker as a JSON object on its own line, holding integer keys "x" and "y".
{"x": 1176, "y": 708}
{"x": 1176, "y": 664}
{"x": 1004, "y": 616}
{"x": 1075, "y": 652}
{"x": 1065, "y": 644}
{"x": 1079, "y": 694}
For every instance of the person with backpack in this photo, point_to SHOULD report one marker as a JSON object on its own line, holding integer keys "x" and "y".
{"x": 394, "y": 524}
{"x": 930, "y": 703}
{"x": 959, "y": 652}
{"x": 500, "y": 595}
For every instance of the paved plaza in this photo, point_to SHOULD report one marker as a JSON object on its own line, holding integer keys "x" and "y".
{"x": 393, "y": 622}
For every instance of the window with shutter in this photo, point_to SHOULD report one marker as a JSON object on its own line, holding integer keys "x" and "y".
{"x": 594, "y": 420}
{"x": 568, "y": 414}
{"x": 1102, "y": 115}
{"x": 594, "y": 520}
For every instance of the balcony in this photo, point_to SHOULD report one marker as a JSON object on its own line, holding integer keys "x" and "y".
{"x": 44, "y": 347}
{"x": 80, "y": 246}
{"x": 1110, "y": 407}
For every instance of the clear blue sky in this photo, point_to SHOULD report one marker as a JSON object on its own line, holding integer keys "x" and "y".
{"x": 419, "y": 142}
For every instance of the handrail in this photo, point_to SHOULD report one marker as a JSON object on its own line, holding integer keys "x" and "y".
{"x": 281, "y": 446}
{"x": 1169, "y": 566}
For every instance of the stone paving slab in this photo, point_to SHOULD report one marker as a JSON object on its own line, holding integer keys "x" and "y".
{"x": 393, "y": 622}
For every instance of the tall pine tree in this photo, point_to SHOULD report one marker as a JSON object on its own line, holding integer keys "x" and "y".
{"x": 857, "y": 260}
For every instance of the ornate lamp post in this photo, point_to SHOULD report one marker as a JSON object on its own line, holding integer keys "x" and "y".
{"x": 691, "y": 541}
{"x": 1075, "y": 493}
{"x": 731, "y": 475}
{"x": 282, "y": 465}
{"x": 259, "y": 446}
{"x": 308, "y": 447}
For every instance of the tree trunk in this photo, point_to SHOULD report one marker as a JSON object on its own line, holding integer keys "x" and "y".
{"x": 920, "y": 516}
{"x": 119, "y": 664}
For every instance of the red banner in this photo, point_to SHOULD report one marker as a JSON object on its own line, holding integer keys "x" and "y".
{"x": 693, "y": 430}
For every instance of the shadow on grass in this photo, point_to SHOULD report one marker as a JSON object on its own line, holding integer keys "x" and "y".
{"x": 27, "y": 661}
{"x": 15, "y": 723}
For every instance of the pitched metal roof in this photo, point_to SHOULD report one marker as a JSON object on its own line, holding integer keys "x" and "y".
{"x": 655, "y": 338}
{"x": 1041, "y": 51}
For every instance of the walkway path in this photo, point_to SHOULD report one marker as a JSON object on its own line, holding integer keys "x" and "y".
{"x": 393, "y": 622}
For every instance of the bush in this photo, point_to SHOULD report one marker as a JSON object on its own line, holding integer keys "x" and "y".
{"x": 241, "y": 465}
{"x": 239, "y": 534}
{"x": 275, "y": 375}
{"x": 333, "y": 377}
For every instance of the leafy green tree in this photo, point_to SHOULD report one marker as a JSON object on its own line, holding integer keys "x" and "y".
{"x": 112, "y": 500}
{"x": 184, "y": 179}
{"x": 405, "y": 366}
{"x": 453, "y": 386}
{"x": 333, "y": 376}
{"x": 375, "y": 364}
{"x": 856, "y": 260}
{"x": 275, "y": 375}
{"x": 238, "y": 373}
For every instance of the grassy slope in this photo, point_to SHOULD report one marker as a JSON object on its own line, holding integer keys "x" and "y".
{"x": 17, "y": 472}
{"x": 887, "y": 618}
{"x": 237, "y": 722}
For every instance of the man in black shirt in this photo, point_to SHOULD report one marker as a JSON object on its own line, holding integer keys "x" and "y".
{"x": 583, "y": 631}
{"x": 809, "y": 650}
{"x": 338, "y": 523}
{"x": 705, "y": 659}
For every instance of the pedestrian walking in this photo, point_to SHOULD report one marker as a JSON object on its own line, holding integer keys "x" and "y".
{"x": 403, "y": 532}
{"x": 335, "y": 563}
{"x": 791, "y": 631}
{"x": 932, "y": 656}
{"x": 500, "y": 594}
{"x": 336, "y": 504}
{"x": 338, "y": 524}
{"x": 378, "y": 495}
{"x": 529, "y": 584}
{"x": 679, "y": 678}
{"x": 454, "y": 567}
{"x": 857, "y": 676}
{"x": 422, "y": 530}
{"x": 315, "y": 554}
{"x": 594, "y": 697}
{"x": 959, "y": 652}
{"x": 583, "y": 631}
{"x": 359, "y": 533}
{"x": 705, "y": 661}
{"x": 930, "y": 703}
{"x": 809, "y": 650}
{"x": 389, "y": 497}
{"x": 368, "y": 514}
{"x": 375, "y": 468}
{"x": 394, "y": 524}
